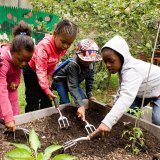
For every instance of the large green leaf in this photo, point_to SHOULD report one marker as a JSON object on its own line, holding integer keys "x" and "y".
{"x": 34, "y": 140}
{"x": 7, "y": 158}
{"x": 40, "y": 156}
{"x": 19, "y": 153}
{"x": 23, "y": 146}
{"x": 49, "y": 150}
{"x": 64, "y": 157}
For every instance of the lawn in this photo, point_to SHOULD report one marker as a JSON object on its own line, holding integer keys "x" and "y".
{"x": 21, "y": 95}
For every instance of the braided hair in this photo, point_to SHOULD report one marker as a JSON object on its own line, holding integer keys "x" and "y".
{"x": 67, "y": 27}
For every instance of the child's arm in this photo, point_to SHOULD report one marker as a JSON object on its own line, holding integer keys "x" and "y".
{"x": 73, "y": 83}
{"x": 5, "y": 104}
{"x": 41, "y": 71}
{"x": 128, "y": 91}
{"x": 131, "y": 81}
{"x": 89, "y": 83}
{"x": 14, "y": 85}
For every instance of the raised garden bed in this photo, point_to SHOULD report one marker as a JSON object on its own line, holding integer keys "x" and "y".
{"x": 109, "y": 147}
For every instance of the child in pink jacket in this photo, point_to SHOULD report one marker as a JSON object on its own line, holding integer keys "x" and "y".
{"x": 15, "y": 56}
{"x": 38, "y": 74}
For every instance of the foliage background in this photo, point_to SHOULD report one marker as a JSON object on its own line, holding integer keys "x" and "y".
{"x": 135, "y": 20}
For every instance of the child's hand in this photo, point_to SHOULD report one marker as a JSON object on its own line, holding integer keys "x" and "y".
{"x": 51, "y": 96}
{"x": 81, "y": 113}
{"x": 102, "y": 129}
{"x": 13, "y": 86}
{"x": 11, "y": 125}
{"x": 50, "y": 80}
{"x": 110, "y": 105}
{"x": 92, "y": 98}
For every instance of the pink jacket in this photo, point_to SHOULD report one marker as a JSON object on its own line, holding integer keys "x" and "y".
{"x": 44, "y": 61}
{"x": 9, "y": 105}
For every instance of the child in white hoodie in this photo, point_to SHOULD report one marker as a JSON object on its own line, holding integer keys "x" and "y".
{"x": 133, "y": 75}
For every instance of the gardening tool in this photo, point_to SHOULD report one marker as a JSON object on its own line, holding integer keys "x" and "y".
{"x": 25, "y": 131}
{"x": 74, "y": 142}
{"x": 62, "y": 120}
{"x": 89, "y": 127}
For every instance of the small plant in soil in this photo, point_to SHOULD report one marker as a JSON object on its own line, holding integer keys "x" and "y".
{"x": 25, "y": 152}
{"x": 135, "y": 135}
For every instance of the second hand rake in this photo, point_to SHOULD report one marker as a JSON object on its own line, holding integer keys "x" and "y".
{"x": 89, "y": 127}
{"x": 62, "y": 120}
{"x": 74, "y": 142}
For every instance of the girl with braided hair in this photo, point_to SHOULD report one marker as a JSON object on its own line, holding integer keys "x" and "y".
{"x": 38, "y": 73}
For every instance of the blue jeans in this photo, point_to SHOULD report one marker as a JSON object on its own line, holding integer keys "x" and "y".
{"x": 63, "y": 90}
{"x": 155, "y": 102}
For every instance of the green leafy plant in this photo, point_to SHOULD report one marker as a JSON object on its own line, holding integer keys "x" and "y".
{"x": 24, "y": 152}
{"x": 135, "y": 135}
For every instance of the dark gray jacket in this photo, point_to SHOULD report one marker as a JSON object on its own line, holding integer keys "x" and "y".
{"x": 73, "y": 74}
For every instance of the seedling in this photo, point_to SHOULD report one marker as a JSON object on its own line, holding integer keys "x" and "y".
{"x": 135, "y": 135}
{"x": 23, "y": 151}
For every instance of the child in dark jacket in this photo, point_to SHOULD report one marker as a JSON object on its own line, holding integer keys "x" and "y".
{"x": 15, "y": 56}
{"x": 38, "y": 74}
{"x": 78, "y": 69}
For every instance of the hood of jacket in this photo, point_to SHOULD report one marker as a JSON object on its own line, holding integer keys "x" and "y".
{"x": 118, "y": 44}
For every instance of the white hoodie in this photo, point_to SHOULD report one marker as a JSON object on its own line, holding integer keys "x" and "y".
{"x": 133, "y": 78}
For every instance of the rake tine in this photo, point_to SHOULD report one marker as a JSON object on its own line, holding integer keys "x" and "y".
{"x": 69, "y": 144}
{"x": 74, "y": 142}
{"x": 89, "y": 127}
{"x": 26, "y": 131}
{"x": 63, "y": 121}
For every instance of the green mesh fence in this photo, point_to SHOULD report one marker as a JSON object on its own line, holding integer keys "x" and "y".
{"x": 41, "y": 22}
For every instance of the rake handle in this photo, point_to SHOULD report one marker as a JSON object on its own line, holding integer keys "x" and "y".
{"x": 56, "y": 103}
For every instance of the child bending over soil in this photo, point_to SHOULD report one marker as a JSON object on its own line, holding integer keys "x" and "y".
{"x": 80, "y": 68}
{"x": 15, "y": 56}
{"x": 38, "y": 73}
{"x": 133, "y": 75}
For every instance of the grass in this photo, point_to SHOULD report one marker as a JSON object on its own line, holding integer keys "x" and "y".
{"x": 105, "y": 96}
{"x": 21, "y": 96}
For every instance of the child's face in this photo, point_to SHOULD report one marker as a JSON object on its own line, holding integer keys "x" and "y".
{"x": 63, "y": 41}
{"x": 21, "y": 59}
{"x": 112, "y": 61}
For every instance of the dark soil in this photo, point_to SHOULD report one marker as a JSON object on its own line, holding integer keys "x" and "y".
{"x": 110, "y": 147}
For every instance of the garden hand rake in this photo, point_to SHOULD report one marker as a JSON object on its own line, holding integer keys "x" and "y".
{"x": 89, "y": 127}
{"x": 62, "y": 120}
{"x": 74, "y": 142}
{"x": 25, "y": 131}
